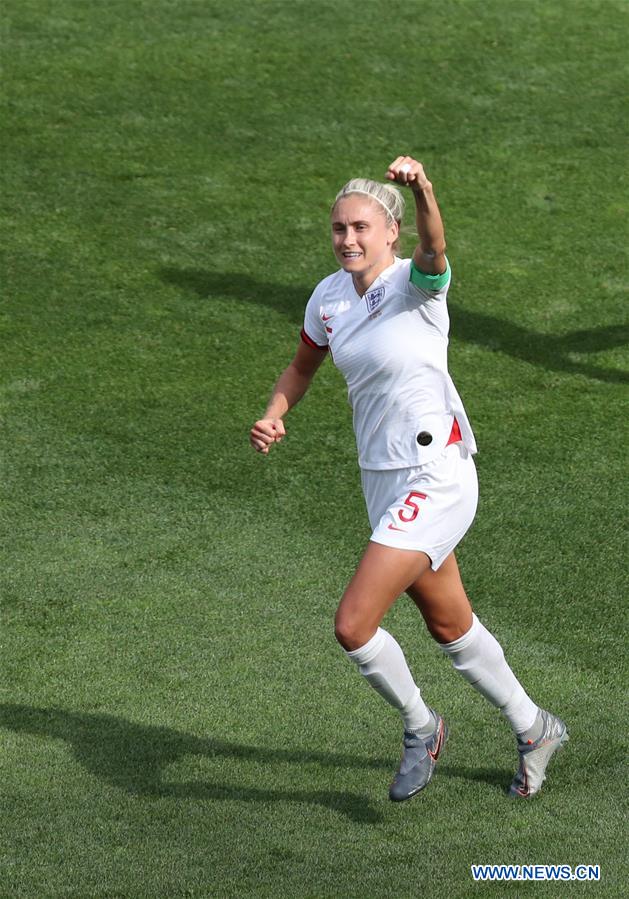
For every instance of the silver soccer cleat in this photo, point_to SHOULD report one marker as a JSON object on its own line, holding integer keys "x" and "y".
{"x": 418, "y": 761}
{"x": 535, "y": 756}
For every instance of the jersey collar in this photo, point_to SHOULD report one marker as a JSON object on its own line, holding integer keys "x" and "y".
{"x": 383, "y": 276}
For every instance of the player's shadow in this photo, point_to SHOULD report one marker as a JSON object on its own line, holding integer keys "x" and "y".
{"x": 135, "y": 758}
{"x": 549, "y": 351}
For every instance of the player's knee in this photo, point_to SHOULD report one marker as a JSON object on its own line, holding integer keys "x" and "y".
{"x": 349, "y": 632}
{"x": 448, "y": 633}
{"x": 444, "y": 634}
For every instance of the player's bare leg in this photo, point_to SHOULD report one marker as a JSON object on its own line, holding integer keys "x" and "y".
{"x": 382, "y": 575}
{"x": 441, "y": 598}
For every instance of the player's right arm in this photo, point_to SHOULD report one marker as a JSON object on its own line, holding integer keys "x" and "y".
{"x": 291, "y": 386}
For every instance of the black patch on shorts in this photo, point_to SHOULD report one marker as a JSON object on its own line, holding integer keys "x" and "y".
{"x": 424, "y": 438}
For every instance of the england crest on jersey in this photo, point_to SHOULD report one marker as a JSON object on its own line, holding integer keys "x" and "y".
{"x": 373, "y": 298}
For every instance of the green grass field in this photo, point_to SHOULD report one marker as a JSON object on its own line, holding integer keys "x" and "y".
{"x": 176, "y": 718}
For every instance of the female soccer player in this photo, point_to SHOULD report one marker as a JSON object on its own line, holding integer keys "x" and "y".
{"x": 384, "y": 321}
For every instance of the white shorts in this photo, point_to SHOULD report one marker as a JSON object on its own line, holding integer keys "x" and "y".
{"x": 428, "y": 508}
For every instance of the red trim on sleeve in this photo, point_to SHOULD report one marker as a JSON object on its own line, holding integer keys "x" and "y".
{"x": 455, "y": 433}
{"x": 307, "y": 340}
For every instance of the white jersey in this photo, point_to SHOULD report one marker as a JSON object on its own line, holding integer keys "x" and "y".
{"x": 391, "y": 346}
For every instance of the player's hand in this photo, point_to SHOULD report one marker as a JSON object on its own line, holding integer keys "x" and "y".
{"x": 406, "y": 170}
{"x": 265, "y": 433}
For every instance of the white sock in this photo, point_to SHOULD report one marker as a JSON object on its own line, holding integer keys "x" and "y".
{"x": 382, "y": 662}
{"x": 478, "y": 656}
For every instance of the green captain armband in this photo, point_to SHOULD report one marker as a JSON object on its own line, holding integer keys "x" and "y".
{"x": 429, "y": 282}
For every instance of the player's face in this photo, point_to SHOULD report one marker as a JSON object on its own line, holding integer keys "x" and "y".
{"x": 362, "y": 240}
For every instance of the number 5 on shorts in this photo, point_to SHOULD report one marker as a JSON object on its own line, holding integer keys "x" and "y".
{"x": 405, "y": 516}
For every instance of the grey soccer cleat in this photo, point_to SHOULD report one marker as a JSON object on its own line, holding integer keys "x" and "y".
{"x": 535, "y": 756}
{"x": 418, "y": 761}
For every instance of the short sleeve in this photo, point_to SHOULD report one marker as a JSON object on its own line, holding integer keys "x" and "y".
{"x": 434, "y": 286}
{"x": 313, "y": 332}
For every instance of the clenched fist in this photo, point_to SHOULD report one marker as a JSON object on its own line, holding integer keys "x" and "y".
{"x": 406, "y": 170}
{"x": 266, "y": 432}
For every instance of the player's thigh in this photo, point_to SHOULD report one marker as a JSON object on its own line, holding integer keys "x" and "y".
{"x": 384, "y": 572}
{"x": 441, "y": 598}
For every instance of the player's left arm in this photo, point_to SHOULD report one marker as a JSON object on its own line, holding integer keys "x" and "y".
{"x": 430, "y": 253}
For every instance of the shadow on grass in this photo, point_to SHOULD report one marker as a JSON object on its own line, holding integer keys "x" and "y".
{"x": 497, "y": 778}
{"x": 133, "y": 758}
{"x": 548, "y": 351}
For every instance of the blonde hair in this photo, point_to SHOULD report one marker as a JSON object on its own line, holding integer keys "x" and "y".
{"x": 386, "y": 195}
